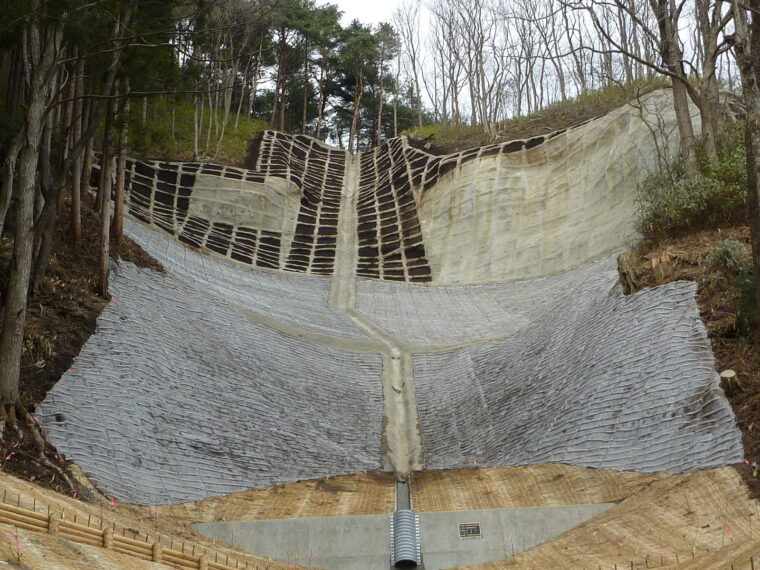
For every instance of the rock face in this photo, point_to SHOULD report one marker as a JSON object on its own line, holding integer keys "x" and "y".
{"x": 504, "y": 212}
{"x": 294, "y": 340}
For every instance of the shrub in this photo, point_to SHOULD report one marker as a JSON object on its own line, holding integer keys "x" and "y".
{"x": 674, "y": 203}
{"x": 730, "y": 258}
{"x": 746, "y": 304}
{"x": 154, "y": 139}
{"x": 554, "y": 117}
{"x": 731, "y": 168}
{"x": 733, "y": 261}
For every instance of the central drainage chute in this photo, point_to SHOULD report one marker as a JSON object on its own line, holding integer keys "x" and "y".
{"x": 405, "y": 539}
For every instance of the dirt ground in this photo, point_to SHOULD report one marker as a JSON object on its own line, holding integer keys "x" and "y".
{"x": 61, "y": 317}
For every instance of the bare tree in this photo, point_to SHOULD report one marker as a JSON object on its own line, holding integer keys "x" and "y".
{"x": 746, "y": 43}
{"x": 406, "y": 22}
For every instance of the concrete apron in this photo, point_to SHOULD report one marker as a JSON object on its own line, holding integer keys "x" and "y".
{"x": 363, "y": 542}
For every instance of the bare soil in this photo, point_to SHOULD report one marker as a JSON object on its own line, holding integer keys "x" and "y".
{"x": 717, "y": 300}
{"x": 61, "y": 317}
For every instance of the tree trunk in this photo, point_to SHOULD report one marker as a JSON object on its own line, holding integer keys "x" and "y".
{"x": 709, "y": 99}
{"x": 357, "y": 109}
{"x": 211, "y": 116}
{"x": 379, "y": 125}
{"x": 321, "y": 104}
{"x": 688, "y": 156}
{"x": 39, "y": 56}
{"x": 751, "y": 88}
{"x": 243, "y": 85}
{"x": 747, "y": 50}
{"x": 86, "y": 178}
{"x": 752, "y": 101}
{"x": 45, "y": 224}
{"x": 8, "y": 171}
{"x": 255, "y": 81}
{"x": 117, "y": 228}
{"x": 278, "y": 86}
{"x": 709, "y": 26}
{"x": 305, "y": 115}
{"x": 76, "y": 172}
{"x": 104, "y": 193}
{"x": 196, "y": 127}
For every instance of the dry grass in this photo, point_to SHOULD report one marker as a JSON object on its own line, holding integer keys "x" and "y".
{"x": 703, "y": 518}
{"x": 530, "y": 486}
{"x": 42, "y": 551}
{"x": 370, "y": 493}
{"x": 445, "y": 139}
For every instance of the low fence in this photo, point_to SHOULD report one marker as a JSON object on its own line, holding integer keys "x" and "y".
{"x": 105, "y": 534}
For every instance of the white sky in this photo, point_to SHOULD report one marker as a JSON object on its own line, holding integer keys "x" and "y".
{"x": 366, "y": 11}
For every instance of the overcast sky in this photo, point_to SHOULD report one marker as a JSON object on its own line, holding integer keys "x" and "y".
{"x": 366, "y": 11}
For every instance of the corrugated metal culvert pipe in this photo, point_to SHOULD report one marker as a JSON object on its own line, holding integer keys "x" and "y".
{"x": 405, "y": 539}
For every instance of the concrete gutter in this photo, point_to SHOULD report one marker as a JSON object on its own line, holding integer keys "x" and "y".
{"x": 402, "y": 441}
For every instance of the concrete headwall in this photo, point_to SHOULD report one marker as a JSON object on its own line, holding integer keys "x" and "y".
{"x": 362, "y": 542}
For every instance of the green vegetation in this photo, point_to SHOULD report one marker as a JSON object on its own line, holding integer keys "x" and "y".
{"x": 168, "y": 134}
{"x": 673, "y": 203}
{"x": 731, "y": 260}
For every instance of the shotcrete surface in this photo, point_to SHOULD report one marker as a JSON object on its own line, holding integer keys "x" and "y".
{"x": 609, "y": 381}
{"x": 178, "y": 397}
{"x": 549, "y": 208}
{"x": 294, "y": 300}
{"x": 265, "y": 356}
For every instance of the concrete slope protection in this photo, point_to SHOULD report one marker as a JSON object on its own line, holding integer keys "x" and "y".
{"x": 506, "y": 212}
{"x": 318, "y": 325}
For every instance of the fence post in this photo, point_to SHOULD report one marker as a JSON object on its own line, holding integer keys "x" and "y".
{"x": 203, "y": 563}
{"x": 157, "y": 552}
{"x": 108, "y": 538}
{"x": 54, "y": 523}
